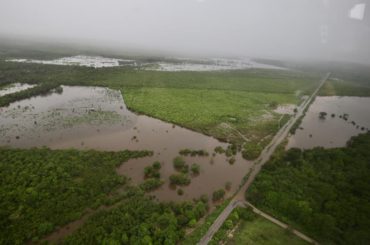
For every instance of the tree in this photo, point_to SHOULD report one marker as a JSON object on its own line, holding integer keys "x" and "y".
{"x": 157, "y": 165}
{"x": 195, "y": 168}
{"x": 218, "y": 195}
{"x": 179, "y": 179}
{"x": 178, "y": 163}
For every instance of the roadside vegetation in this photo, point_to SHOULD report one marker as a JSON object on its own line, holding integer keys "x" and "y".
{"x": 42, "y": 189}
{"x": 245, "y": 227}
{"x": 339, "y": 87}
{"x": 323, "y": 192}
{"x": 199, "y": 231}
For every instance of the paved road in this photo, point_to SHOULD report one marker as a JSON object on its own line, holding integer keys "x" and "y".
{"x": 258, "y": 163}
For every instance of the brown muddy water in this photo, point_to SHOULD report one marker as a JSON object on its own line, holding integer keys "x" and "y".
{"x": 97, "y": 118}
{"x": 332, "y": 130}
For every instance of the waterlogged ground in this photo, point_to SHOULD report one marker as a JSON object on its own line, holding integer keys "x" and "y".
{"x": 97, "y": 118}
{"x": 210, "y": 65}
{"x": 346, "y": 117}
{"x": 14, "y": 87}
{"x": 79, "y": 60}
{"x": 173, "y": 64}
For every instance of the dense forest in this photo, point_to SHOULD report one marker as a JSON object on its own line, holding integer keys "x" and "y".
{"x": 41, "y": 189}
{"x": 140, "y": 220}
{"x": 323, "y": 192}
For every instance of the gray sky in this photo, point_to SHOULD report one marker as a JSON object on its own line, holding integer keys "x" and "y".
{"x": 268, "y": 28}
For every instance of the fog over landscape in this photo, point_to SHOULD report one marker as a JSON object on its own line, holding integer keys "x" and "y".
{"x": 298, "y": 29}
{"x": 185, "y": 122}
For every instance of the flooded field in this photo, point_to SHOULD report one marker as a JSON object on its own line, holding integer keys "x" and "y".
{"x": 210, "y": 65}
{"x": 176, "y": 64}
{"x": 14, "y": 87}
{"x": 79, "y": 60}
{"x": 97, "y": 118}
{"x": 332, "y": 121}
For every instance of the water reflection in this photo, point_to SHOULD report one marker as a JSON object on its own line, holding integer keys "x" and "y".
{"x": 340, "y": 119}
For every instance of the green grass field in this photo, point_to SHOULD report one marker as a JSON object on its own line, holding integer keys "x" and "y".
{"x": 337, "y": 87}
{"x": 219, "y": 113}
{"x": 262, "y": 232}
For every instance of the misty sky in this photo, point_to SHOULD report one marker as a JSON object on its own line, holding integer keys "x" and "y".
{"x": 266, "y": 28}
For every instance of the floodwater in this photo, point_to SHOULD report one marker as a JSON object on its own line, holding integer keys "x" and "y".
{"x": 97, "y": 118}
{"x": 333, "y": 130}
{"x": 15, "y": 87}
{"x": 210, "y": 65}
{"x": 78, "y": 60}
{"x": 176, "y": 64}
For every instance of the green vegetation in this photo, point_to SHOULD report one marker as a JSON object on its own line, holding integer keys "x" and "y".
{"x": 229, "y": 105}
{"x": 152, "y": 177}
{"x": 180, "y": 192}
{"x": 323, "y": 192}
{"x": 153, "y": 170}
{"x": 297, "y": 123}
{"x": 236, "y": 216}
{"x": 231, "y": 150}
{"x": 251, "y": 151}
{"x": 180, "y": 165}
{"x": 41, "y": 89}
{"x": 179, "y": 179}
{"x": 218, "y": 195}
{"x": 338, "y": 87}
{"x": 232, "y": 160}
{"x": 157, "y": 165}
{"x": 41, "y": 189}
{"x": 193, "y": 153}
{"x": 222, "y": 114}
{"x": 219, "y": 150}
{"x": 195, "y": 168}
{"x": 253, "y": 229}
{"x": 200, "y": 231}
{"x": 139, "y": 220}
{"x": 151, "y": 184}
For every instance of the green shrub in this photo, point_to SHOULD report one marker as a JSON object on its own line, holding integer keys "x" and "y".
{"x": 156, "y": 165}
{"x": 232, "y": 160}
{"x": 251, "y": 151}
{"x": 178, "y": 163}
{"x": 218, "y": 195}
{"x": 179, "y": 179}
{"x": 219, "y": 150}
{"x": 151, "y": 184}
{"x": 195, "y": 168}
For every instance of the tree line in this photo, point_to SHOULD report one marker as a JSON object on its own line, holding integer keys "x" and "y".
{"x": 324, "y": 192}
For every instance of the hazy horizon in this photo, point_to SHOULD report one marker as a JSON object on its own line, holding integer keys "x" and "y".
{"x": 305, "y": 29}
